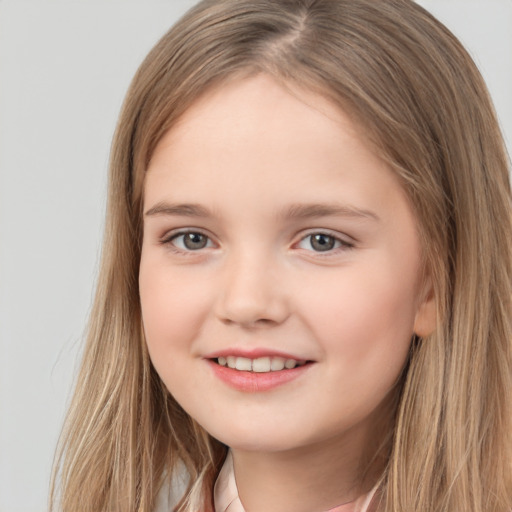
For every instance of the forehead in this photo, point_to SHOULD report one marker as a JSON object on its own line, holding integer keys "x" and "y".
{"x": 252, "y": 148}
{"x": 244, "y": 110}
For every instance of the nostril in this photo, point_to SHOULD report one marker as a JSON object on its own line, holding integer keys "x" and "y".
{"x": 251, "y": 299}
{"x": 250, "y": 323}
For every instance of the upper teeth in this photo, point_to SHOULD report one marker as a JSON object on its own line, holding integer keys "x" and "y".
{"x": 261, "y": 364}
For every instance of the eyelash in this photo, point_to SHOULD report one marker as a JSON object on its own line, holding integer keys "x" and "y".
{"x": 169, "y": 241}
{"x": 340, "y": 244}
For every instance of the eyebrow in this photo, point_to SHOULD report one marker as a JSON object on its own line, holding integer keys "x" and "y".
{"x": 294, "y": 211}
{"x": 308, "y": 211}
{"x": 183, "y": 210}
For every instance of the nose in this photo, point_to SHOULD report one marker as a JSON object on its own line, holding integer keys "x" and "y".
{"x": 252, "y": 294}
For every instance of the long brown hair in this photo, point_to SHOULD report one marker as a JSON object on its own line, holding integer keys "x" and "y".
{"x": 418, "y": 95}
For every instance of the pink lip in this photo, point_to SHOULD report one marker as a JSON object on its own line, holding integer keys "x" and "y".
{"x": 253, "y": 382}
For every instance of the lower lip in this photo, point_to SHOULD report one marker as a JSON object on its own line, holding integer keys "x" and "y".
{"x": 254, "y": 382}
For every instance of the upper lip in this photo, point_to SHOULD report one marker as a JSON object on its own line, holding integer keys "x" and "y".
{"x": 253, "y": 353}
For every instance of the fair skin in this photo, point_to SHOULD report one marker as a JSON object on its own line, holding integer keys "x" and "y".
{"x": 262, "y": 273}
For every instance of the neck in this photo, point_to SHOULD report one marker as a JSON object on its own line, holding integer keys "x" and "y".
{"x": 314, "y": 478}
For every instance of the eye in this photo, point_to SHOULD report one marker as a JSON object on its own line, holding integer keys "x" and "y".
{"x": 189, "y": 241}
{"x": 322, "y": 242}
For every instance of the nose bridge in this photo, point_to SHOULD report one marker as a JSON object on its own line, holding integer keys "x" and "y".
{"x": 251, "y": 292}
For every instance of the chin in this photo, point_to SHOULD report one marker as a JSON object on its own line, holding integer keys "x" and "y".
{"x": 259, "y": 439}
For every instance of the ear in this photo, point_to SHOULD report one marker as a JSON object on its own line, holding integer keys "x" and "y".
{"x": 425, "y": 320}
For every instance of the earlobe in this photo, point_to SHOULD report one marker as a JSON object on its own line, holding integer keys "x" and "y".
{"x": 425, "y": 320}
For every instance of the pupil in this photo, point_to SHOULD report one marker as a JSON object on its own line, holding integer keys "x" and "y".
{"x": 322, "y": 242}
{"x": 194, "y": 241}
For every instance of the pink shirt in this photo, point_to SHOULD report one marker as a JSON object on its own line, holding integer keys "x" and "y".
{"x": 226, "y": 494}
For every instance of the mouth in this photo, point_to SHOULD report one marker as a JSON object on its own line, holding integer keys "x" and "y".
{"x": 257, "y": 369}
{"x": 265, "y": 364}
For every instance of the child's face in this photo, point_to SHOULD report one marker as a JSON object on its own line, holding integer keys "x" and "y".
{"x": 301, "y": 244}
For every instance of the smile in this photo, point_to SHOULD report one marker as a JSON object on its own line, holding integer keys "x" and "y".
{"x": 259, "y": 373}
{"x": 260, "y": 364}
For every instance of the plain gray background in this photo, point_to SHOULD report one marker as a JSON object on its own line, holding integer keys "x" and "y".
{"x": 64, "y": 68}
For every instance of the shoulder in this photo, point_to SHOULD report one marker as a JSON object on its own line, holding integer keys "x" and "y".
{"x": 172, "y": 491}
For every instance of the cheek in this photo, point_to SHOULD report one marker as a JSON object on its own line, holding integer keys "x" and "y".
{"x": 172, "y": 304}
{"x": 366, "y": 318}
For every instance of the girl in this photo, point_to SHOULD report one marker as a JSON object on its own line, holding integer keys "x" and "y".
{"x": 304, "y": 298}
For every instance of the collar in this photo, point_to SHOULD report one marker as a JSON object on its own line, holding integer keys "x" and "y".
{"x": 226, "y": 499}
{"x": 225, "y": 492}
